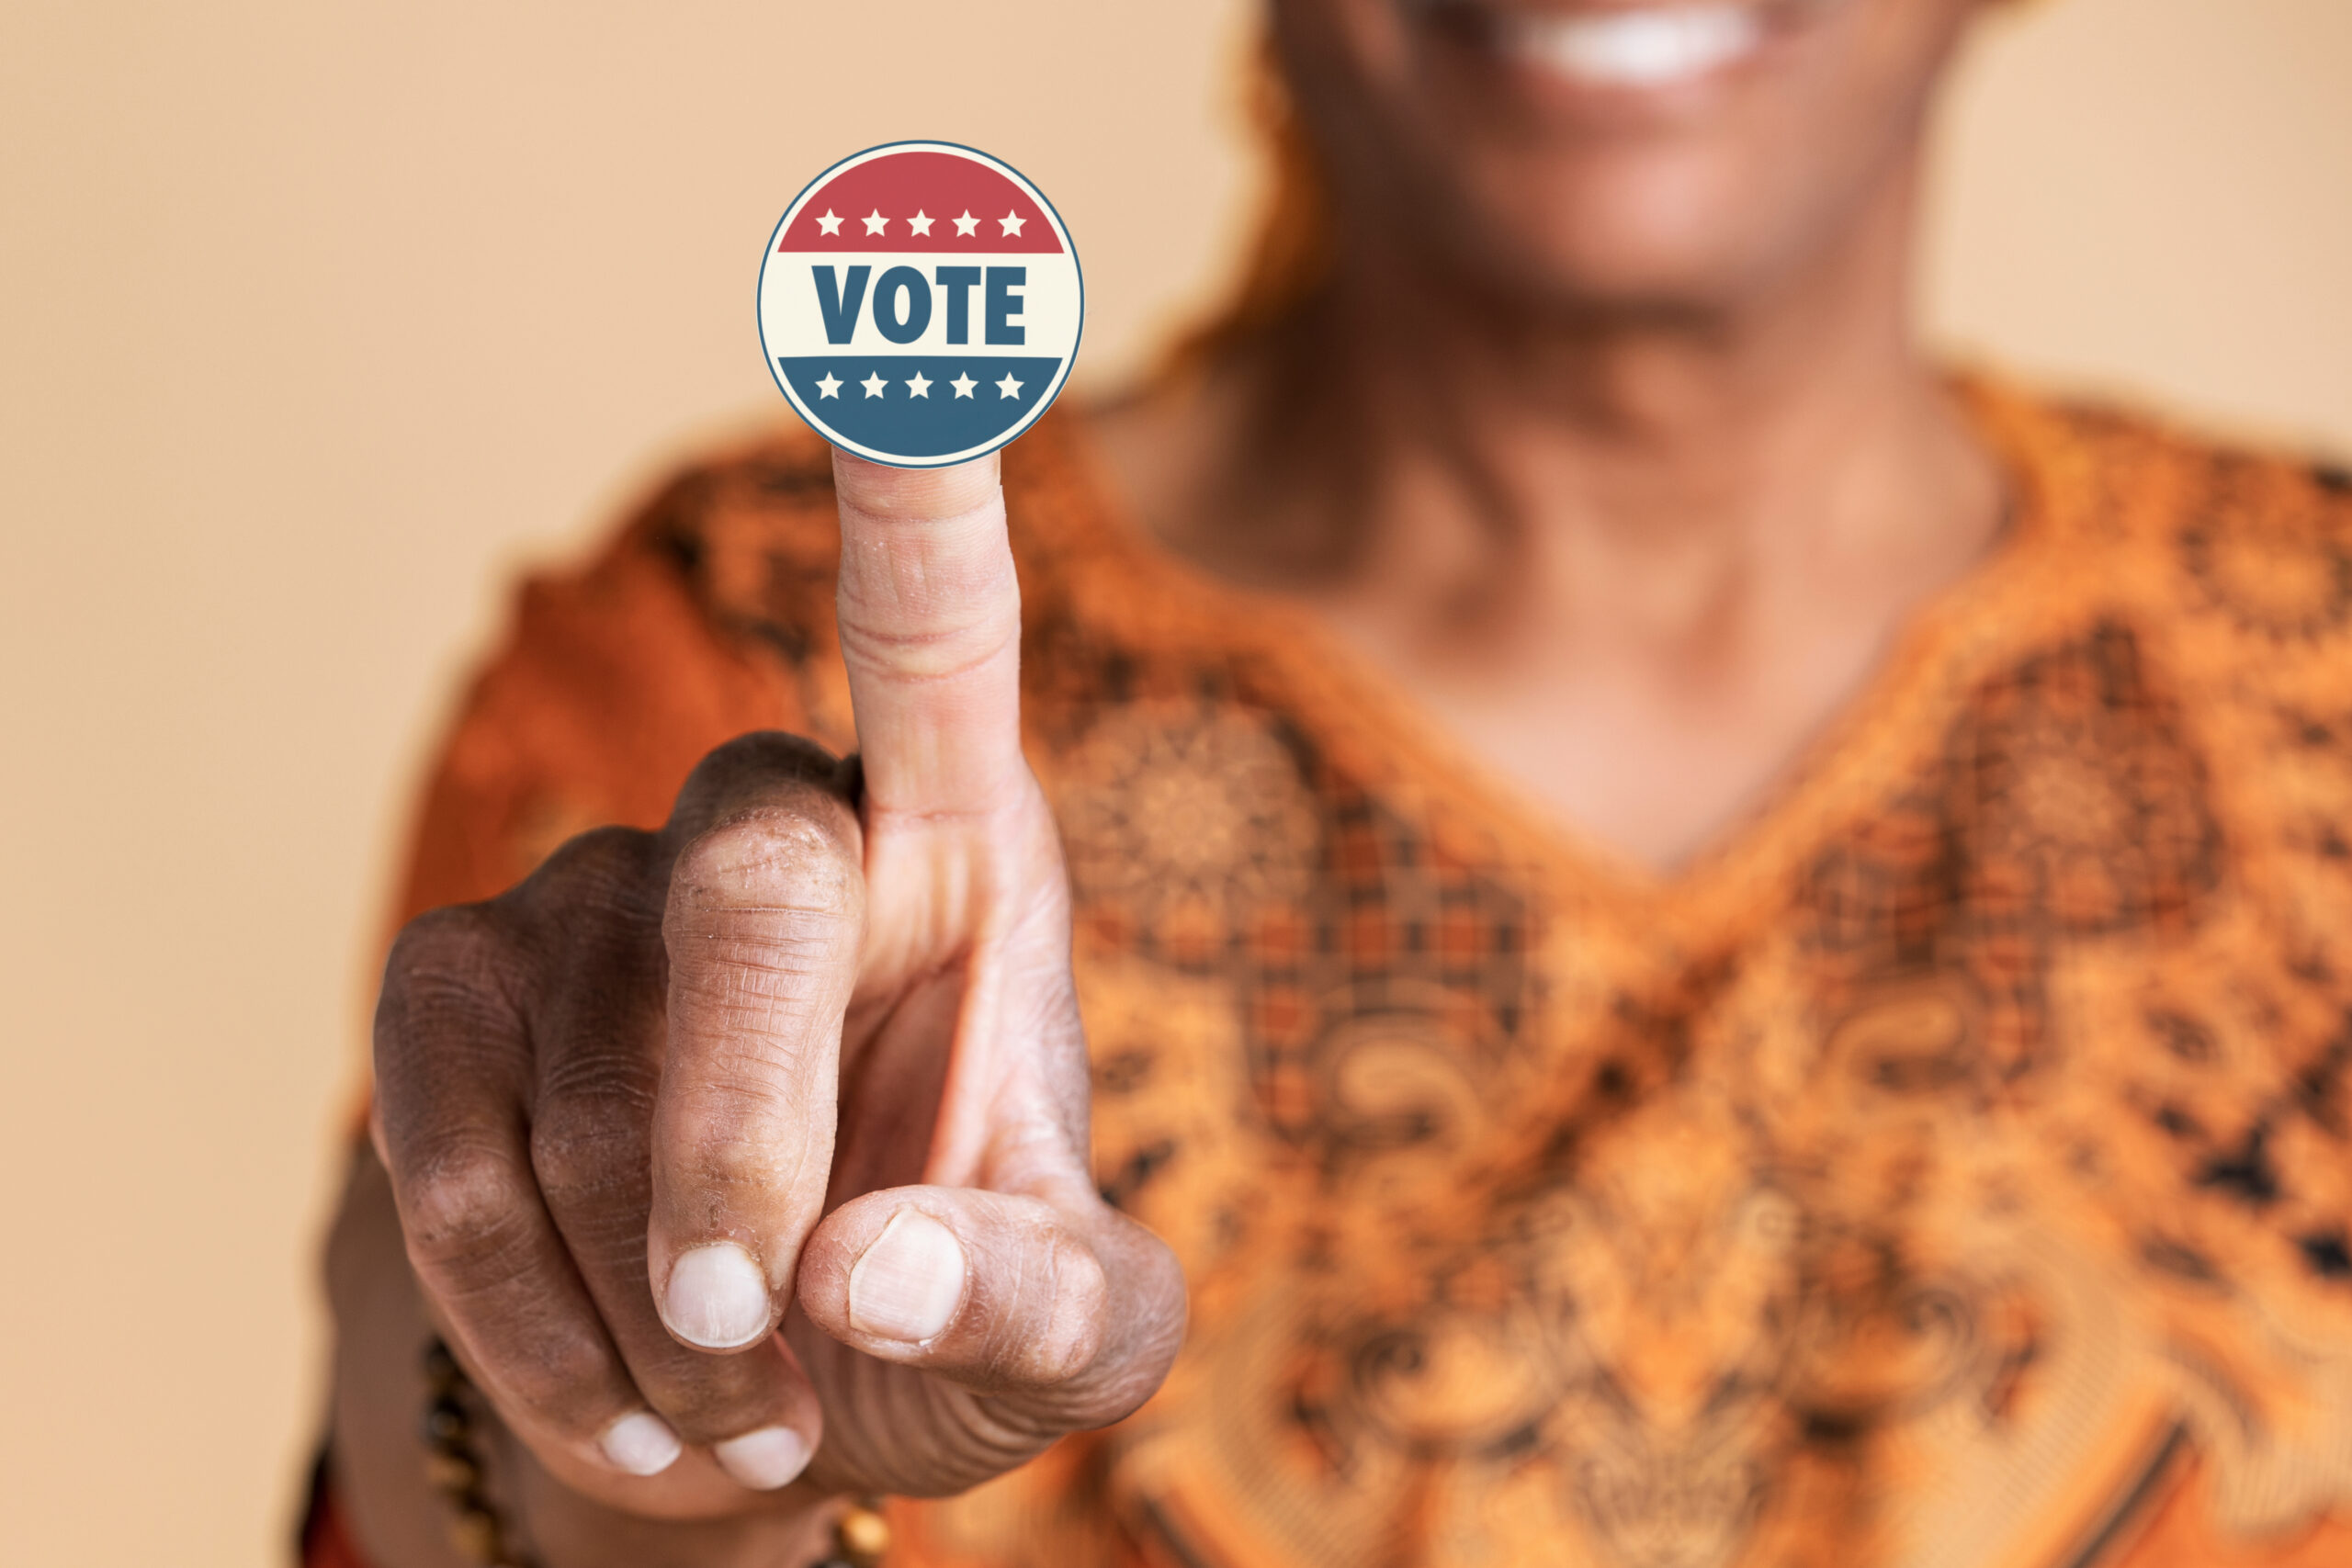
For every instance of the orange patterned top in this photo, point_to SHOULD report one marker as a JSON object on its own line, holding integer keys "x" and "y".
{"x": 1951, "y": 1170}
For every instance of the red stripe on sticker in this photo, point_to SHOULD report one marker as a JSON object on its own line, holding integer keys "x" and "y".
{"x": 918, "y": 201}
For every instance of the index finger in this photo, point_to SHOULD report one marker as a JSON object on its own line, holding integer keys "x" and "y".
{"x": 929, "y": 614}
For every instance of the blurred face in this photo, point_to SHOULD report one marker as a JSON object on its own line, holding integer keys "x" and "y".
{"x": 1674, "y": 154}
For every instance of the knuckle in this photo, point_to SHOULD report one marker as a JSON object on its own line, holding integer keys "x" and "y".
{"x": 1049, "y": 1329}
{"x": 465, "y": 1212}
{"x": 924, "y": 594}
{"x": 609, "y": 869}
{"x": 451, "y": 990}
{"x": 750, "y": 1010}
{"x": 456, "y": 950}
{"x": 786, "y": 859}
{"x": 919, "y": 639}
{"x": 1150, "y": 1315}
{"x": 587, "y": 1146}
{"x": 744, "y": 1140}
{"x": 766, "y": 767}
{"x": 1072, "y": 1334}
{"x": 602, "y": 1089}
{"x": 1099, "y": 1320}
{"x": 770, "y": 755}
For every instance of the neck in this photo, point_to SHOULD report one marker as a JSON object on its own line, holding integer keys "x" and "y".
{"x": 1627, "y": 468}
{"x": 1635, "y": 557}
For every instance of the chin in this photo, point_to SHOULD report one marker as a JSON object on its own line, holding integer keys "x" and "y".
{"x": 1654, "y": 154}
{"x": 1678, "y": 240}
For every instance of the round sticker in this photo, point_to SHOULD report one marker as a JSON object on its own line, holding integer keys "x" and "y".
{"x": 921, "y": 304}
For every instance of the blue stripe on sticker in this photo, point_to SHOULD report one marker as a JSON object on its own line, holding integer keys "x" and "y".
{"x": 919, "y": 405}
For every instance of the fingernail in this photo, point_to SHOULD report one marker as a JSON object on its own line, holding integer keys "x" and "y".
{"x": 909, "y": 1283}
{"x": 718, "y": 1297}
{"x": 642, "y": 1444}
{"x": 764, "y": 1459}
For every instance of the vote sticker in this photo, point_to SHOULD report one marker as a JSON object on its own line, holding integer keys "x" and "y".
{"x": 921, "y": 304}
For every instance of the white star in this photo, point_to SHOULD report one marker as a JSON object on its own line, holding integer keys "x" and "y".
{"x": 830, "y": 387}
{"x": 967, "y": 224}
{"x": 1009, "y": 387}
{"x": 920, "y": 386}
{"x": 830, "y": 224}
{"x": 1010, "y": 224}
{"x": 875, "y": 222}
{"x": 874, "y": 385}
{"x": 963, "y": 385}
{"x": 921, "y": 224}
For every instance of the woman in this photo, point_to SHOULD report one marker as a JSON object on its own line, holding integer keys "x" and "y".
{"x": 1697, "y": 945}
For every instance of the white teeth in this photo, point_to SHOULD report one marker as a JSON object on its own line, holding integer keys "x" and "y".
{"x": 1649, "y": 48}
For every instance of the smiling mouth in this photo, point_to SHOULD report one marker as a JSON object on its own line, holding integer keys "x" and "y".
{"x": 1645, "y": 47}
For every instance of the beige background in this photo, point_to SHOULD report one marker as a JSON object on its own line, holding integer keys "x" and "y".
{"x": 316, "y": 321}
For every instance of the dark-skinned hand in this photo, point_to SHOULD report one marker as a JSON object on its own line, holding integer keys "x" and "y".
{"x": 754, "y": 1150}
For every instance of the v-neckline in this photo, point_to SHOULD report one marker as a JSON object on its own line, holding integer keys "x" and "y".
{"x": 1385, "y": 734}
